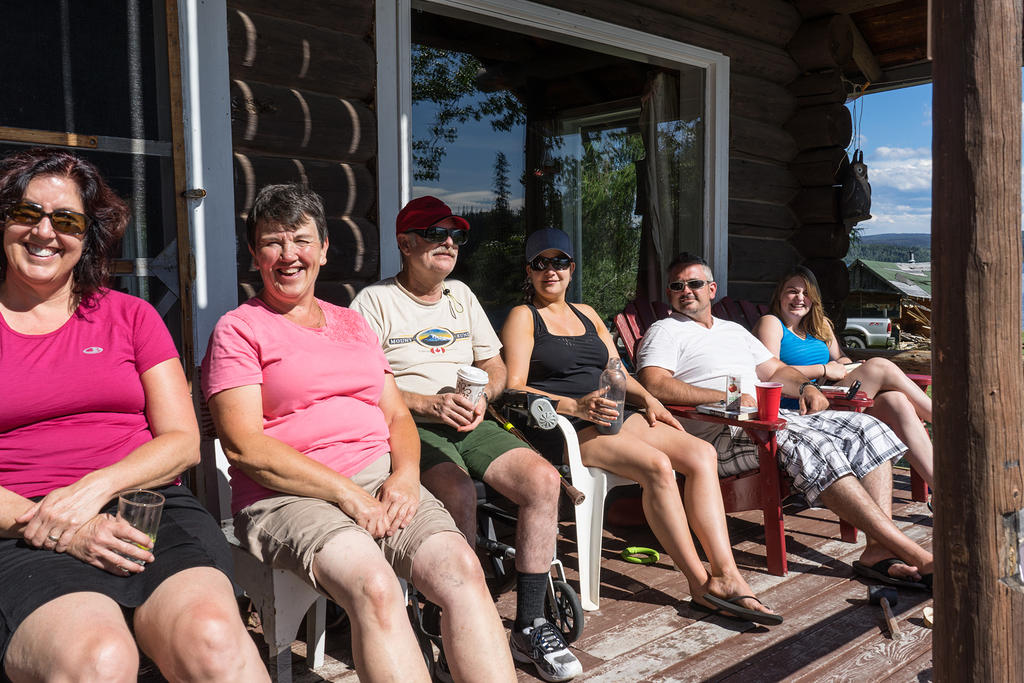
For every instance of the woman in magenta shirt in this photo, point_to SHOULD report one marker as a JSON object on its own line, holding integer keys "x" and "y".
{"x": 95, "y": 402}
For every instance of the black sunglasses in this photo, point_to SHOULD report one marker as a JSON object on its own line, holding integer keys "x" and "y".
{"x": 63, "y": 220}
{"x": 694, "y": 285}
{"x": 436, "y": 234}
{"x": 557, "y": 262}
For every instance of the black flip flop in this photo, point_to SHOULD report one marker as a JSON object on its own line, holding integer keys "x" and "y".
{"x": 728, "y": 608}
{"x": 879, "y": 571}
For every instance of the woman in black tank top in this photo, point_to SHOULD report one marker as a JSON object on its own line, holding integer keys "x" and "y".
{"x": 560, "y": 349}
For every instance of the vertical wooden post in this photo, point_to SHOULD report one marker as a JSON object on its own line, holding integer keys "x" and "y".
{"x": 979, "y": 388}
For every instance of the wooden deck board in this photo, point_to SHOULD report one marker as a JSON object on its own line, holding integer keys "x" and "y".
{"x": 645, "y": 630}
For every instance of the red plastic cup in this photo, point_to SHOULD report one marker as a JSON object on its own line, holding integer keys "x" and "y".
{"x": 768, "y": 396}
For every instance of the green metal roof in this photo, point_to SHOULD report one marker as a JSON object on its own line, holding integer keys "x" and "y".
{"x": 912, "y": 279}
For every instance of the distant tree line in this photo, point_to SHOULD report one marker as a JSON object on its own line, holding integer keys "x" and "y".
{"x": 890, "y": 253}
{"x": 893, "y": 247}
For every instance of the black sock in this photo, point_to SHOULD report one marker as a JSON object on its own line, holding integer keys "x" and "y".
{"x": 531, "y": 589}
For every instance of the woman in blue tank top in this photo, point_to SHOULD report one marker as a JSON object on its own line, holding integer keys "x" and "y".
{"x": 799, "y": 333}
{"x": 559, "y": 349}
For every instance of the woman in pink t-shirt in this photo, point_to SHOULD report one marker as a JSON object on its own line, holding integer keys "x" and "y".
{"x": 325, "y": 459}
{"x": 95, "y": 403}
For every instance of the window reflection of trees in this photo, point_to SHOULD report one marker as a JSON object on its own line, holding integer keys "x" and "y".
{"x": 448, "y": 80}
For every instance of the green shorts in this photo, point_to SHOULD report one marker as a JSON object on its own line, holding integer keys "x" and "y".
{"x": 472, "y": 451}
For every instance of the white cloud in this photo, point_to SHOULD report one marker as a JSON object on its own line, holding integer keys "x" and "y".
{"x": 896, "y": 215}
{"x": 902, "y": 152}
{"x": 902, "y": 168}
{"x": 464, "y": 200}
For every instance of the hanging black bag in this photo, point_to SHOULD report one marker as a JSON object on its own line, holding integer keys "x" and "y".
{"x": 855, "y": 197}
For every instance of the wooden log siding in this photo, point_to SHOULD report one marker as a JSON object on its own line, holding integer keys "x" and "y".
{"x": 822, "y": 43}
{"x": 352, "y": 252}
{"x": 755, "y": 98}
{"x": 833, "y": 278}
{"x": 827, "y": 240}
{"x": 762, "y": 181}
{"x": 282, "y": 120}
{"x": 759, "y": 139}
{"x": 755, "y": 259}
{"x": 273, "y": 50}
{"x": 817, "y": 205}
{"x": 347, "y": 189}
{"x": 761, "y": 218}
{"x": 825, "y": 87}
{"x": 770, "y": 21}
{"x": 813, "y": 8}
{"x": 354, "y": 17}
{"x": 758, "y": 292}
{"x": 747, "y": 56}
{"x": 828, "y": 125}
{"x": 339, "y": 293}
{"x": 825, "y": 165}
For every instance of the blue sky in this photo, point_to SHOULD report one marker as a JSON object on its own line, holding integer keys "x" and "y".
{"x": 895, "y": 132}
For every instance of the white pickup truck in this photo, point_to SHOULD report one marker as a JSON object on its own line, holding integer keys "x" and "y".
{"x": 861, "y": 333}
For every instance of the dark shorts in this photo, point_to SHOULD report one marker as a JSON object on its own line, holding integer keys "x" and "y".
{"x": 31, "y": 577}
{"x": 472, "y": 451}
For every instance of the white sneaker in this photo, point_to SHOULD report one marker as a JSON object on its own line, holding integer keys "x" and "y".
{"x": 544, "y": 645}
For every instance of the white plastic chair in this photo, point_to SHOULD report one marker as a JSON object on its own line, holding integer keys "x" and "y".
{"x": 595, "y": 484}
{"x": 281, "y": 597}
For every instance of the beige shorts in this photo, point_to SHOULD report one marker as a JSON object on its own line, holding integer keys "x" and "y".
{"x": 288, "y": 531}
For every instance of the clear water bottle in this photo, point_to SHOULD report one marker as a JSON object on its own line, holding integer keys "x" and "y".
{"x": 613, "y": 388}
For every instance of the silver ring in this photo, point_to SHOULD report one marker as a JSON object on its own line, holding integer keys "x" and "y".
{"x": 50, "y": 536}
{"x": 124, "y": 570}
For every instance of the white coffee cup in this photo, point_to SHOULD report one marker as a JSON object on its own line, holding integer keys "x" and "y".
{"x": 471, "y": 382}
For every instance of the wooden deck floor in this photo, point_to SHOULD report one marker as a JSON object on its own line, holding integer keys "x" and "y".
{"x": 645, "y": 630}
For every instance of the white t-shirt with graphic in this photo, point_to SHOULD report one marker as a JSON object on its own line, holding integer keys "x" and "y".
{"x": 425, "y": 342}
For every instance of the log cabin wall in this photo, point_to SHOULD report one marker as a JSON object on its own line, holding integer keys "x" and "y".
{"x": 302, "y": 98}
{"x": 822, "y": 128}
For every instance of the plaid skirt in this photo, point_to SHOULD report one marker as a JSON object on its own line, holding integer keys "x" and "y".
{"x": 815, "y": 450}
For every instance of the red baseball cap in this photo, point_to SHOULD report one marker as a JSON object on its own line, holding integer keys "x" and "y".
{"x": 425, "y": 212}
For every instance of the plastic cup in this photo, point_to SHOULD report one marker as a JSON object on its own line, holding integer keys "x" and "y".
{"x": 768, "y": 396}
{"x": 471, "y": 382}
{"x": 141, "y": 508}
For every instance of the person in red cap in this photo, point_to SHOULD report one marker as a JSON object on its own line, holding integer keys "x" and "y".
{"x": 430, "y": 326}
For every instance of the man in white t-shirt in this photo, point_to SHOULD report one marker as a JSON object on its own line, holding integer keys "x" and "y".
{"x": 428, "y": 326}
{"x": 842, "y": 459}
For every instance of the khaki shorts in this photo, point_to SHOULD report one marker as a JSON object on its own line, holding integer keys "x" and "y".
{"x": 287, "y": 531}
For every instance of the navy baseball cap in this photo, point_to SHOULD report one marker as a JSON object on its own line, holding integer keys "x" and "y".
{"x": 547, "y": 238}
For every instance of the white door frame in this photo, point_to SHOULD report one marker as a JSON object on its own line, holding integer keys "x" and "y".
{"x": 203, "y": 34}
{"x": 394, "y": 101}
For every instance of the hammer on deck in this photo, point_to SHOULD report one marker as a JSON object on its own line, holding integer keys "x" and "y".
{"x": 886, "y": 596}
